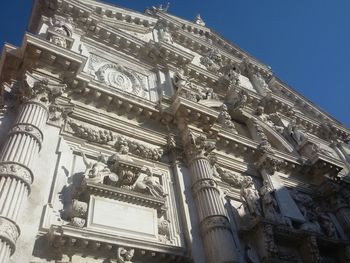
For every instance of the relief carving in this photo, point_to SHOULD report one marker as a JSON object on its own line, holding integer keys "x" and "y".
{"x": 149, "y": 185}
{"x": 212, "y": 60}
{"x": 9, "y": 232}
{"x": 231, "y": 178}
{"x": 225, "y": 119}
{"x": 41, "y": 90}
{"x": 124, "y": 255}
{"x": 18, "y": 171}
{"x": 63, "y": 26}
{"x": 117, "y": 76}
{"x": 122, "y": 144}
{"x": 163, "y": 230}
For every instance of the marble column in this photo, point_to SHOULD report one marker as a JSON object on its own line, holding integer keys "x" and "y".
{"x": 22, "y": 144}
{"x": 218, "y": 241}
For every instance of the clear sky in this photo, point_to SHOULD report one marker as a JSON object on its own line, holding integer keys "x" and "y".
{"x": 306, "y": 42}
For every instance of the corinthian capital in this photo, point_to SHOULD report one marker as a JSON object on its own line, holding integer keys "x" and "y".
{"x": 197, "y": 144}
{"x": 41, "y": 89}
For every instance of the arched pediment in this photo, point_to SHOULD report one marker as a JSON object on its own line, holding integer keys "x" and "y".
{"x": 275, "y": 138}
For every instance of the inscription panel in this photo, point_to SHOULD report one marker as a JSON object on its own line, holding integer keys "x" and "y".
{"x": 122, "y": 218}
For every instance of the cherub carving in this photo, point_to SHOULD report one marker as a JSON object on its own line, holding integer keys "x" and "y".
{"x": 98, "y": 172}
{"x": 124, "y": 255}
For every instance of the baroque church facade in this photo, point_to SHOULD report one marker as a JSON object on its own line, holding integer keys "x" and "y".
{"x": 130, "y": 137}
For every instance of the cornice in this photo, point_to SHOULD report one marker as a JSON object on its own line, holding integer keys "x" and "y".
{"x": 69, "y": 238}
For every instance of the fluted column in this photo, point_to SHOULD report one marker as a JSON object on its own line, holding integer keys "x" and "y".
{"x": 23, "y": 143}
{"x": 215, "y": 227}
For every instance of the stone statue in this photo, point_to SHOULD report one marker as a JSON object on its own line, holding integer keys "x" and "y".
{"x": 250, "y": 197}
{"x": 225, "y": 119}
{"x": 97, "y": 172}
{"x": 180, "y": 80}
{"x": 296, "y": 133}
{"x": 260, "y": 84}
{"x": 263, "y": 116}
{"x": 150, "y": 185}
{"x": 124, "y": 255}
{"x": 269, "y": 204}
{"x": 236, "y": 100}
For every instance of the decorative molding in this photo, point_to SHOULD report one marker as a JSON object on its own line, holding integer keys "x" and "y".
{"x": 18, "y": 171}
{"x": 9, "y": 232}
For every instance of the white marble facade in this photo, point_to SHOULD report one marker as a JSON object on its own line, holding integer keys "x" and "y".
{"x": 129, "y": 137}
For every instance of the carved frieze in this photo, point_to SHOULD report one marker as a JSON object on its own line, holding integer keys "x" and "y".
{"x": 16, "y": 170}
{"x": 121, "y": 143}
{"x": 29, "y": 130}
{"x": 233, "y": 179}
{"x": 9, "y": 232}
{"x": 212, "y": 60}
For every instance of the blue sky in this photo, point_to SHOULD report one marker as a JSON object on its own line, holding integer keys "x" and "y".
{"x": 306, "y": 42}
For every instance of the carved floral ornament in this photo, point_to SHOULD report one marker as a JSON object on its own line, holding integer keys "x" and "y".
{"x": 119, "y": 142}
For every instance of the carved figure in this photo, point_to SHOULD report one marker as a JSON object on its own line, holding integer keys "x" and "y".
{"x": 303, "y": 201}
{"x": 296, "y": 133}
{"x": 98, "y": 171}
{"x": 62, "y": 26}
{"x": 212, "y": 60}
{"x": 150, "y": 185}
{"x": 264, "y": 117}
{"x": 124, "y": 255}
{"x": 164, "y": 34}
{"x": 260, "y": 84}
{"x": 163, "y": 227}
{"x": 269, "y": 204}
{"x": 250, "y": 197}
{"x": 225, "y": 119}
{"x": 180, "y": 80}
{"x": 327, "y": 225}
{"x": 236, "y": 100}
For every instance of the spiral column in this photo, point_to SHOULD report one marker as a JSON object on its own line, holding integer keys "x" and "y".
{"x": 23, "y": 143}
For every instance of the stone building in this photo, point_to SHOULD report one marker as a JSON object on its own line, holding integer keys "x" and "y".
{"x": 129, "y": 137}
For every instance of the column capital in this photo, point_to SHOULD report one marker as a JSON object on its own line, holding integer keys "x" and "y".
{"x": 196, "y": 144}
{"x": 41, "y": 90}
